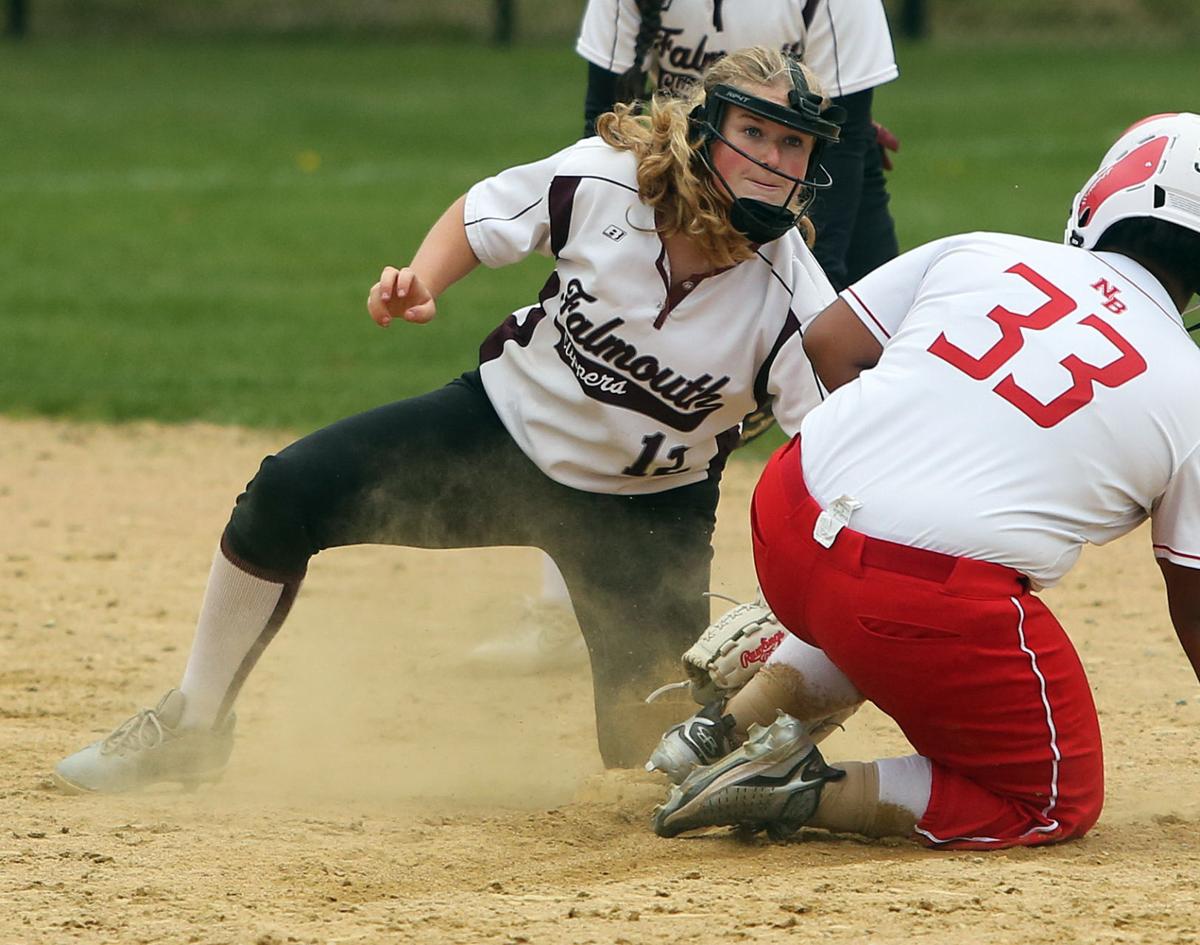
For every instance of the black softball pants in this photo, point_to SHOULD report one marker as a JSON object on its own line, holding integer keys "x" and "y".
{"x": 440, "y": 471}
{"x": 855, "y": 230}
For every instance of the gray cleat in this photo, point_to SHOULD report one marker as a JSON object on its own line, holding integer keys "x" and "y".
{"x": 147, "y": 749}
{"x": 773, "y": 783}
{"x": 707, "y": 737}
{"x": 700, "y": 740}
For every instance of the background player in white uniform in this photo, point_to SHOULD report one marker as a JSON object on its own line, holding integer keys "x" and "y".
{"x": 596, "y": 427}
{"x": 1022, "y": 398}
{"x": 848, "y": 45}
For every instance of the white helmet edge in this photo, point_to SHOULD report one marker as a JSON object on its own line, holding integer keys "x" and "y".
{"x": 1152, "y": 170}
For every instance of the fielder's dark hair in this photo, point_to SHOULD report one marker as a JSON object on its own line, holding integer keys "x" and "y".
{"x": 1170, "y": 246}
{"x": 631, "y": 85}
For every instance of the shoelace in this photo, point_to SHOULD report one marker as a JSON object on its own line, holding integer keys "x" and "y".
{"x": 143, "y": 730}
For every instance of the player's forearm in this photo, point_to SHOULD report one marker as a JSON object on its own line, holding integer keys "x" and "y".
{"x": 1189, "y": 639}
{"x": 445, "y": 255}
{"x": 1183, "y": 602}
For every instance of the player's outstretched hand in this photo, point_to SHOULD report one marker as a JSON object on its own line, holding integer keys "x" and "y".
{"x": 400, "y": 293}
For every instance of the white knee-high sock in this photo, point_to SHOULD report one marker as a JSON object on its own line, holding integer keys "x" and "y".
{"x": 818, "y": 670}
{"x": 906, "y": 783}
{"x": 797, "y": 678}
{"x": 239, "y": 616}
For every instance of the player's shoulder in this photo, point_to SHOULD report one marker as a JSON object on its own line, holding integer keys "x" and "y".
{"x": 794, "y": 267}
{"x": 989, "y": 239}
{"x": 1054, "y": 260}
{"x": 985, "y": 243}
{"x": 594, "y": 159}
{"x": 1112, "y": 281}
{"x": 787, "y": 249}
{"x": 785, "y": 255}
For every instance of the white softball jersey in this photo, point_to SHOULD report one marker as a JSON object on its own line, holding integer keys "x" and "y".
{"x": 845, "y": 42}
{"x": 621, "y": 379}
{"x": 1031, "y": 397}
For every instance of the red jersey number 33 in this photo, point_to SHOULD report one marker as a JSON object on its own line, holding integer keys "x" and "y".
{"x": 1127, "y": 365}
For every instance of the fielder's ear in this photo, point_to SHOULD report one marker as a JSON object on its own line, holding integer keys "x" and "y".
{"x": 697, "y": 124}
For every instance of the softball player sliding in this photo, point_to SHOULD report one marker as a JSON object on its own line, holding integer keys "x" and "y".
{"x": 999, "y": 402}
{"x": 596, "y": 426}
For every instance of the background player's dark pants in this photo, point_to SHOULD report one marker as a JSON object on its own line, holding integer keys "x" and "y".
{"x": 855, "y": 231}
{"x": 440, "y": 471}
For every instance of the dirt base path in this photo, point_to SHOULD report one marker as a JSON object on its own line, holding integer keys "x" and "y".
{"x": 381, "y": 792}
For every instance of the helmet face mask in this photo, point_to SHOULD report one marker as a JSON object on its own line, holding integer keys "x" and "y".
{"x": 758, "y": 220}
{"x": 1153, "y": 170}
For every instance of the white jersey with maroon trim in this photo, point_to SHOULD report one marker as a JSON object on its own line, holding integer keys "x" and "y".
{"x": 845, "y": 42}
{"x": 615, "y": 380}
{"x": 1031, "y": 397}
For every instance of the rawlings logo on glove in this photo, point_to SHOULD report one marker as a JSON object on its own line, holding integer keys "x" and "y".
{"x": 764, "y": 649}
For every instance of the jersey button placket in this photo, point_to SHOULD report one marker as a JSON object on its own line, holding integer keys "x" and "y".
{"x": 675, "y": 294}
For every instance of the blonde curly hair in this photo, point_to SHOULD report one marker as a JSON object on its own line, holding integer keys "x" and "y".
{"x": 671, "y": 177}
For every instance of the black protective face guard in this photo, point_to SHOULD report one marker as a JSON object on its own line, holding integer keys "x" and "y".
{"x": 803, "y": 113}
{"x": 758, "y": 220}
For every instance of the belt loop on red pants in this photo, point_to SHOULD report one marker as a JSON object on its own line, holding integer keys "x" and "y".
{"x": 964, "y": 575}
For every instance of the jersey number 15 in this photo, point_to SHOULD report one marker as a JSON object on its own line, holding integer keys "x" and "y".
{"x": 651, "y": 444}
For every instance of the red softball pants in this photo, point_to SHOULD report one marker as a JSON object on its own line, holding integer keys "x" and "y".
{"x": 975, "y": 670}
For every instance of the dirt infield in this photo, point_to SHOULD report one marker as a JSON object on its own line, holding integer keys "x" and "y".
{"x": 382, "y": 793}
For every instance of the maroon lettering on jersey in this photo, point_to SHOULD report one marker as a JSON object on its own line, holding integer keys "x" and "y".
{"x": 612, "y": 370}
{"x": 1137, "y": 167}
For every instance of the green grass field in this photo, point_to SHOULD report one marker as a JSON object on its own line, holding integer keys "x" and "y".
{"x": 190, "y": 229}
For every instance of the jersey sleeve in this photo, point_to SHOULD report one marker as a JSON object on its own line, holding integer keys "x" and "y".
{"x": 608, "y": 34}
{"x": 507, "y": 217}
{"x": 791, "y": 380}
{"x": 1175, "y": 519}
{"x": 884, "y": 297}
{"x": 813, "y": 291}
{"x": 849, "y": 46}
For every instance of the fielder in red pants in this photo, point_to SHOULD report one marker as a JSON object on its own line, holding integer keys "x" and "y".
{"x": 996, "y": 403}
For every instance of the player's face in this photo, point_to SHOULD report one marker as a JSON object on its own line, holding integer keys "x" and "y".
{"x": 775, "y": 145}
{"x": 779, "y": 147}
